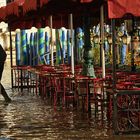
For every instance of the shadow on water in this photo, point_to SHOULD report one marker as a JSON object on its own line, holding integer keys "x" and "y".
{"x": 28, "y": 117}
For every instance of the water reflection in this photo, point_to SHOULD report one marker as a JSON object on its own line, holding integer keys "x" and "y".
{"x": 28, "y": 117}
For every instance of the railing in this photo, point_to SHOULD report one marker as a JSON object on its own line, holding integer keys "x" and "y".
{"x": 126, "y": 113}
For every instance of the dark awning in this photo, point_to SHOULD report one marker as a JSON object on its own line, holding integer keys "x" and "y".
{"x": 119, "y": 8}
{"x": 13, "y": 8}
{"x": 25, "y": 13}
{"x": 2, "y": 13}
{"x": 29, "y": 5}
{"x": 43, "y": 2}
{"x": 86, "y": 1}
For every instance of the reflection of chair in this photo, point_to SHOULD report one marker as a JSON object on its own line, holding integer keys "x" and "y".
{"x": 69, "y": 90}
{"x": 97, "y": 94}
{"x": 82, "y": 90}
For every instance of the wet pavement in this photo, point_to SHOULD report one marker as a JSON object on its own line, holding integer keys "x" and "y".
{"x": 28, "y": 117}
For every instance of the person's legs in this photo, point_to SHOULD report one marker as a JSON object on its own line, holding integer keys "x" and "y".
{"x": 2, "y": 90}
{"x": 1, "y": 69}
{"x": 4, "y": 94}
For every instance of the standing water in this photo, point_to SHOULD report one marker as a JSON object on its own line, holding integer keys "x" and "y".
{"x": 28, "y": 117}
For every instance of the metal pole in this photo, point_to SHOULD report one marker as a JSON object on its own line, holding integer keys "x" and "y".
{"x": 51, "y": 42}
{"x": 11, "y": 57}
{"x": 113, "y": 53}
{"x": 72, "y": 51}
{"x": 133, "y": 66}
{"x": 88, "y": 68}
{"x": 102, "y": 40}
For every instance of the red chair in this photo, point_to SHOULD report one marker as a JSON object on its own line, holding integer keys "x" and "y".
{"x": 58, "y": 89}
{"x": 21, "y": 77}
{"x": 121, "y": 76}
{"x": 64, "y": 85}
{"x": 33, "y": 80}
{"x": 125, "y": 85}
{"x": 44, "y": 80}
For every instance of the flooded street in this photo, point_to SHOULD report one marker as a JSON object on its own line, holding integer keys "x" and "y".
{"x": 28, "y": 117}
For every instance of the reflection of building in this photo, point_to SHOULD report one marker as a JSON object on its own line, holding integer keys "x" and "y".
{"x": 2, "y": 3}
{"x": 4, "y": 33}
{"x": 3, "y": 29}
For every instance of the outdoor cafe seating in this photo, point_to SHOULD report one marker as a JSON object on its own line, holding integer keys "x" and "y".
{"x": 63, "y": 90}
{"x": 59, "y": 84}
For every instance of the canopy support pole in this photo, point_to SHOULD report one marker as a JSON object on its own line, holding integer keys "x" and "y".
{"x": 72, "y": 48}
{"x": 113, "y": 53}
{"x": 51, "y": 42}
{"x": 133, "y": 66}
{"x": 102, "y": 40}
{"x": 11, "y": 57}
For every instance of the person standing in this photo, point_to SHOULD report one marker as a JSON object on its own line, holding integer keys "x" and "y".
{"x": 3, "y": 56}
